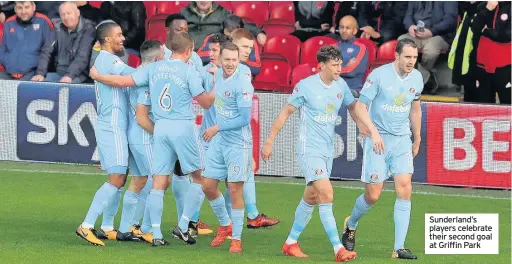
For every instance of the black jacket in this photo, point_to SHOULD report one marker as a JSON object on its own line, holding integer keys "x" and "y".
{"x": 391, "y": 16}
{"x": 312, "y": 14}
{"x": 71, "y": 50}
{"x": 131, "y": 16}
{"x": 497, "y": 22}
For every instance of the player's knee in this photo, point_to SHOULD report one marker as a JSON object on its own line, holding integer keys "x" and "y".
{"x": 137, "y": 184}
{"x": 372, "y": 197}
{"x": 118, "y": 180}
{"x": 160, "y": 182}
{"x": 325, "y": 196}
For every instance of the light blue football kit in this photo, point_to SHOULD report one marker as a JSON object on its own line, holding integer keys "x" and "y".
{"x": 318, "y": 106}
{"x": 194, "y": 60}
{"x": 112, "y": 108}
{"x": 230, "y": 152}
{"x": 389, "y": 98}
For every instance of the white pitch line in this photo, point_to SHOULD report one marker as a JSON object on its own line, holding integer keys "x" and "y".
{"x": 271, "y": 182}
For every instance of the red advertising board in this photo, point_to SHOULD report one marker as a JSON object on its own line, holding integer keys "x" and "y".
{"x": 468, "y": 145}
{"x": 255, "y": 127}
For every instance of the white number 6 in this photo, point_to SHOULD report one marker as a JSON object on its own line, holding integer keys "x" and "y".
{"x": 165, "y": 99}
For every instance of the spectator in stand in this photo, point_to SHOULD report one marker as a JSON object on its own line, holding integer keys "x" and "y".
{"x": 70, "y": 46}
{"x": 229, "y": 25}
{"x": 345, "y": 8}
{"x": 6, "y": 10}
{"x": 493, "y": 74}
{"x": 131, "y": 17}
{"x": 206, "y": 17}
{"x": 389, "y": 27}
{"x": 88, "y": 11}
{"x": 355, "y": 57}
{"x": 312, "y": 18}
{"x": 432, "y": 26}
{"x": 97, "y": 48}
{"x": 24, "y": 36}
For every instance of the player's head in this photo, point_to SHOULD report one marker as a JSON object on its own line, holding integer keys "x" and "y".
{"x": 110, "y": 36}
{"x": 244, "y": 39}
{"x": 151, "y": 51}
{"x": 348, "y": 27}
{"x": 216, "y": 41}
{"x": 229, "y": 58}
{"x": 330, "y": 60}
{"x": 231, "y": 23}
{"x": 182, "y": 45}
{"x": 175, "y": 23}
{"x": 25, "y": 9}
{"x": 406, "y": 55}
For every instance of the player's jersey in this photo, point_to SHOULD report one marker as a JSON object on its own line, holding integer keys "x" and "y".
{"x": 209, "y": 116}
{"x": 111, "y": 103}
{"x": 318, "y": 106}
{"x": 232, "y": 93}
{"x": 172, "y": 85}
{"x": 194, "y": 60}
{"x": 389, "y": 98}
{"x": 136, "y": 134}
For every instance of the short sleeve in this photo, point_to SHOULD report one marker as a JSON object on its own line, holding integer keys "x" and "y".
{"x": 370, "y": 88}
{"x": 120, "y": 68}
{"x": 194, "y": 82}
{"x": 419, "y": 84}
{"x": 297, "y": 98}
{"x": 348, "y": 97}
{"x": 244, "y": 95}
{"x": 196, "y": 61}
{"x": 143, "y": 96}
{"x": 141, "y": 76}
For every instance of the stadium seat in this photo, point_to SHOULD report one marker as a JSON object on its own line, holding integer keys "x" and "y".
{"x": 133, "y": 60}
{"x": 96, "y": 4}
{"x": 312, "y": 46}
{"x": 150, "y": 9}
{"x": 371, "y": 48}
{"x": 387, "y": 50}
{"x": 234, "y": 4}
{"x": 273, "y": 29}
{"x": 285, "y": 12}
{"x": 274, "y": 71}
{"x": 286, "y": 46}
{"x": 156, "y": 29}
{"x": 272, "y": 4}
{"x": 170, "y": 7}
{"x": 302, "y": 71}
{"x": 256, "y": 11}
{"x": 227, "y": 5}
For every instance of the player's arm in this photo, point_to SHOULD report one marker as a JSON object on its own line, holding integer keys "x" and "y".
{"x": 117, "y": 81}
{"x": 204, "y": 99}
{"x": 368, "y": 93}
{"x": 415, "y": 117}
{"x": 143, "y": 120}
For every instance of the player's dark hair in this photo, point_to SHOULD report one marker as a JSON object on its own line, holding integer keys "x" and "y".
{"x": 405, "y": 42}
{"x": 232, "y": 22}
{"x": 220, "y": 38}
{"x": 104, "y": 30}
{"x": 229, "y": 46}
{"x": 149, "y": 50}
{"x": 22, "y": 2}
{"x": 181, "y": 42}
{"x": 327, "y": 53}
{"x": 170, "y": 18}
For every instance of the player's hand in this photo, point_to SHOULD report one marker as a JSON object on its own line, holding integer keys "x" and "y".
{"x": 37, "y": 78}
{"x": 66, "y": 79}
{"x": 378, "y": 144}
{"x": 266, "y": 151}
{"x": 210, "y": 133}
{"x": 415, "y": 148}
{"x": 93, "y": 73}
{"x": 412, "y": 31}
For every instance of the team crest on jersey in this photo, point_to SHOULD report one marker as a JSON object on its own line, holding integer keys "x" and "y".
{"x": 340, "y": 96}
{"x": 227, "y": 94}
{"x": 296, "y": 90}
{"x": 247, "y": 96}
{"x": 35, "y": 26}
{"x": 329, "y": 108}
{"x": 412, "y": 90}
{"x": 190, "y": 62}
{"x": 146, "y": 94}
{"x": 319, "y": 171}
{"x": 350, "y": 50}
{"x": 248, "y": 76}
{"x": 368, "y": 83}
{"x": 400, "y": 99}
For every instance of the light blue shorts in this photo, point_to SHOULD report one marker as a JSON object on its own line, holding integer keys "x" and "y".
{"x": 140, "y": 159}
{"x": 314, "y": 168}
{"x": 224, "y": 162}
{"x": 173, "y": 140}
{"x": 396, "y": 160}
{"x": 113, "y": 149}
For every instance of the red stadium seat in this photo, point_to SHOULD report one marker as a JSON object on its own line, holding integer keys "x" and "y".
{"x": 156, "y": 29}
{"x": 227, "y": 5}
{"x": 274, "y": 71}
{"x": 285, "y": 12}
{"x": 133, "y": 60}
{"x": 150, "y": 9}
{"x": 387, "y": 50}
{"x": 273, "y": 4}
{"x": 286, "y": 46}
{"x": 312, "y": 46}
{"x": 302, "y": 71}
{"x": 277, "y": 29}
{"x": 371, "y": 48}
{"x": 96, "y": 4}
{"x": 256, "y": 11}
{"x": 234, "y": 4}
{"x": 170, "y": 7}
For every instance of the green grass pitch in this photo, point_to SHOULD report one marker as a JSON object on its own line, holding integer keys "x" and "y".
{"x": 42, "y": 204}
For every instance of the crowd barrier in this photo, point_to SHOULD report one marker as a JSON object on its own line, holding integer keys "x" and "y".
{"x": 462, "y": 144}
